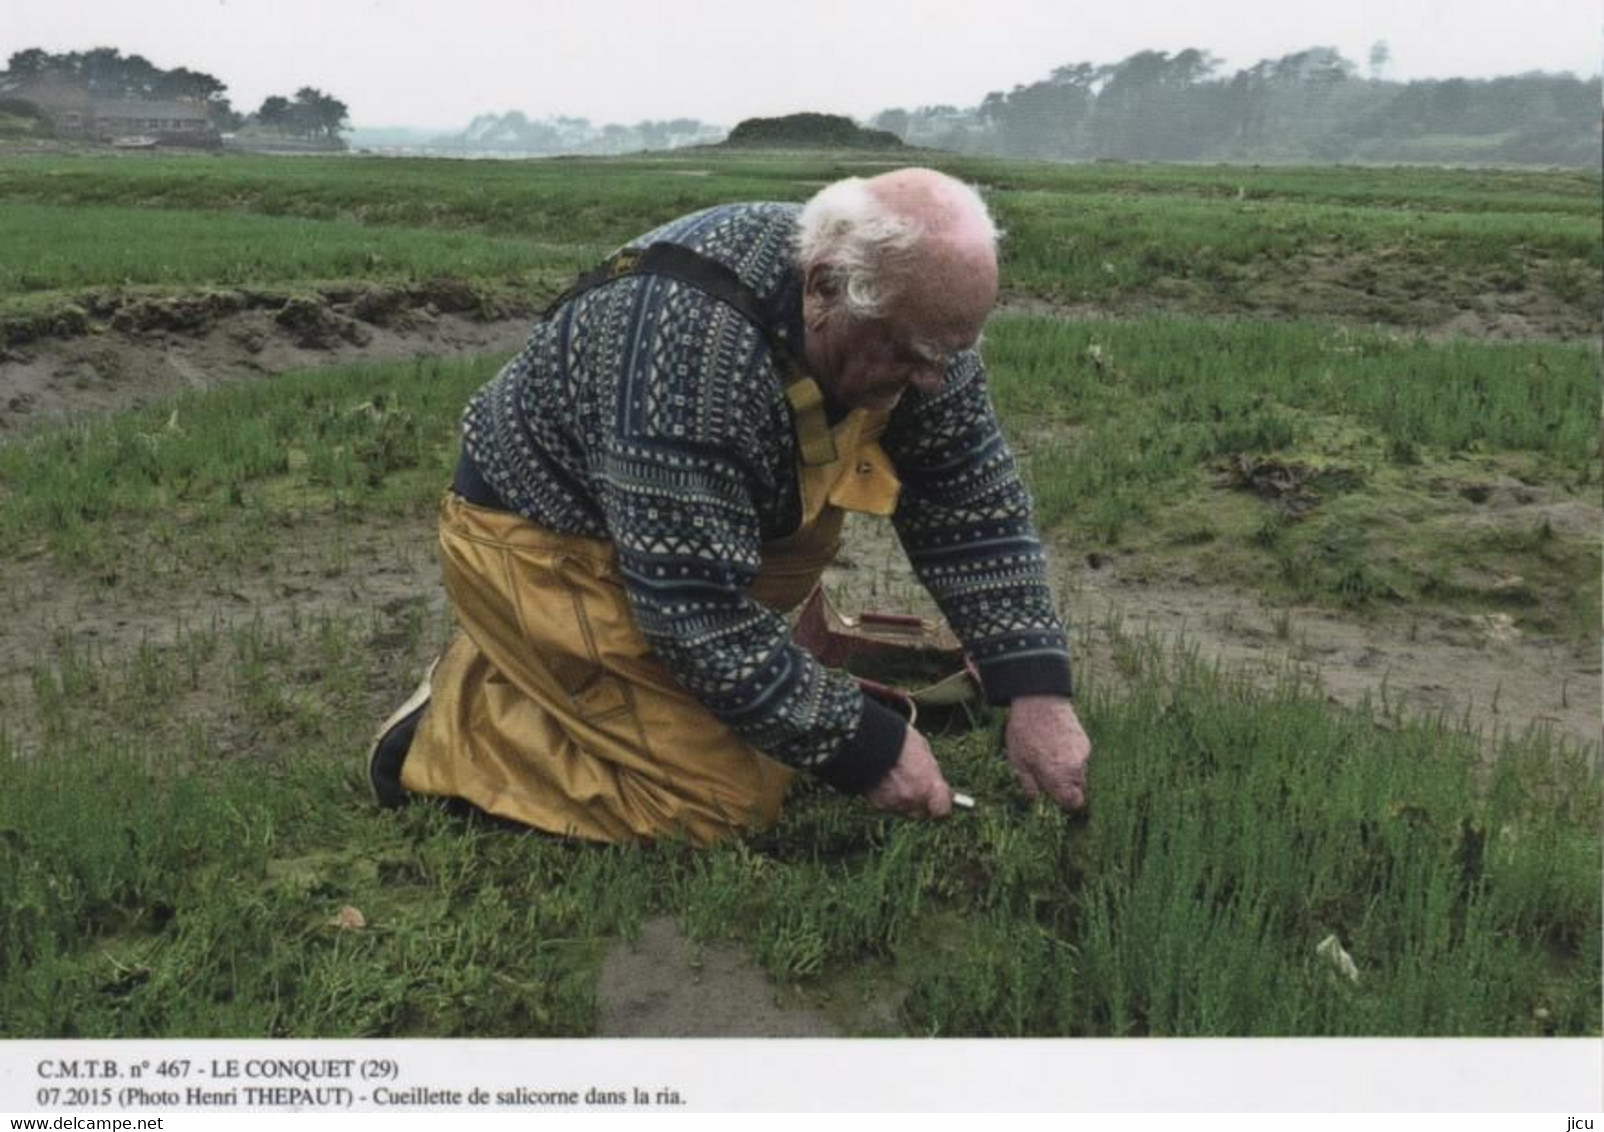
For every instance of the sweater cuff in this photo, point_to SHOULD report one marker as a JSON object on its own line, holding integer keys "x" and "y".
{"x": 1008, "y": 679}
{"x": 870, "y": 753}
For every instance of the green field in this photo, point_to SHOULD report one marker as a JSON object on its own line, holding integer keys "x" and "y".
{"x": 1118, "y": 235}
{"x": 214, "y": 598}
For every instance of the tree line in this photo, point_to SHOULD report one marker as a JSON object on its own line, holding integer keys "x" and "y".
{"x": 1312, "y": 105}
{"x": 311, "y": 114}
{"x": 106, "y": 73}
{"x": 516, "y": 133}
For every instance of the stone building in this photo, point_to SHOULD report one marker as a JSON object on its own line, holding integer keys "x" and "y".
{"x": 75, "y": 113}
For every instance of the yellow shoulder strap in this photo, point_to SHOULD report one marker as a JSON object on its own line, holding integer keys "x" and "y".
{"x": 812, "y": 427}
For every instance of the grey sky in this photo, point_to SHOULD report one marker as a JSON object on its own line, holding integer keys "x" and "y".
{"x": 437, "y": 63}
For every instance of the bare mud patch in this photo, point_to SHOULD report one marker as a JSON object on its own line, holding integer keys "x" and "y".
{"x": 662, "y": 985}
{"x": 1397, "y": 298}
{"x": 127, "y": 354}
{"x": 379, "y": 581}
{"x": 1479, "y": 670}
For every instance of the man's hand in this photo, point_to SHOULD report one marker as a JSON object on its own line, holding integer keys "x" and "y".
{"x": 1048, "y": 749}
{"x": 913, "y": 787}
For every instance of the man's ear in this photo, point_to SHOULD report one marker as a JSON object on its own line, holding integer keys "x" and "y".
{"x": 820, "y": 291}
{"x": 819, "y": 281}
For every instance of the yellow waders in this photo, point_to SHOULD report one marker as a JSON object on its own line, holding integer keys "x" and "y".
{"x": 547, "y": 708}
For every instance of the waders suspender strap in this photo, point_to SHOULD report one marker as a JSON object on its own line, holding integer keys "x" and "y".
{"x": 686, "y": 266}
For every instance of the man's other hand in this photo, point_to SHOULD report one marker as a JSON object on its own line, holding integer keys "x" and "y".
{"x": 1048, "y": 749}
{"x": 913, "y": 787}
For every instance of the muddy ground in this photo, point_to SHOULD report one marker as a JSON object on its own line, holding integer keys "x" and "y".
{"x": 115, "y": 352}
{"x": 1481, "y": 669}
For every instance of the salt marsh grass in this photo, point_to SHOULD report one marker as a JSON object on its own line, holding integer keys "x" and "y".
{"x": 1213, "y": 388}
{"x": 1129, "y": 429}
{"x": 334, "y": 439}
{"x": 1097, "y": 246}
{"x": 186, "y": 845}
{"x": 1122, "y": 235}
{"x": 161, "y": 884}
{"x": 1167, "y": 396}
{"x": 185, "y": 876}
{"x": 64, "y": 248}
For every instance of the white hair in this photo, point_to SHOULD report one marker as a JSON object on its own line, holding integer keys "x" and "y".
{"x": 864, "y": 239}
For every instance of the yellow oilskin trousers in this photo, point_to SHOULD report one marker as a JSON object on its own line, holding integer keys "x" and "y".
{"x": 548, "y": 709}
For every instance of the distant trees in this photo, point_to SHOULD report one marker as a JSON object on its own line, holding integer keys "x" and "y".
{"x": 106, "y": 73}
{"x": 185, "y": 84}
{"x": 275, "y": 113}
{"x": 514, "y": 132}
{"x": 1541, "y": 118}
{"x": 318, "y": 114}
{"x": 1045, "y": 119}
{"x": 224, "y": 116}
{"x": 310, "y": 116}
{"x": 1380, "y": 56}
{"x": 893, "y": 121}
{"x": 809, "y": 131}
{"x": 28, "y": 63}
{"x": 1150, "y": 104}
{"x": 1307, "y": 105}
{"x": 666, "y": 134}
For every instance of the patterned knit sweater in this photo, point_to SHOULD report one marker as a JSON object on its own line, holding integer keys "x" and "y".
{"x": 650, "y": 414}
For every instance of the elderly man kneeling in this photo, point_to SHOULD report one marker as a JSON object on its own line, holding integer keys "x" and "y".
{"x": 662, "y": 473}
